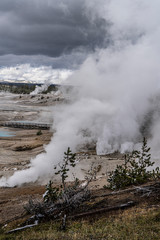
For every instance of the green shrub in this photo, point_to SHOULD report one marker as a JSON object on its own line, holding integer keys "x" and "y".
{"x": 39, "y": 133}
{"x": 51, "y": 194}
{"x": 134, "y": 170}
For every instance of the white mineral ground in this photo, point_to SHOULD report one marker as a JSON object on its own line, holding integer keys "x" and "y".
{"x": 17, "y": 151}
{"x": 38, "y": 108}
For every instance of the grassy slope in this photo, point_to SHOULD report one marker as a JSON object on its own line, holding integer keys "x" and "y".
{"x": 136, "y": 223}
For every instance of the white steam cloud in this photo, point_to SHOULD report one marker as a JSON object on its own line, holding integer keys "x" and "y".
{"x": 117, "y": 90}
{"x": 40, "y": 89}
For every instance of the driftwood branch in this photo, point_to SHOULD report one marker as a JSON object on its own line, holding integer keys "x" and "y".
{"x": 63, "y": 226}
{"x": 23, "y": 228}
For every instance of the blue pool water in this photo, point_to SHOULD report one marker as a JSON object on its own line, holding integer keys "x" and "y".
{"x": 6, "y": 133}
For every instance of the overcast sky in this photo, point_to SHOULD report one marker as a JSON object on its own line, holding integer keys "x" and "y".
{"x": 49, "y": 32}
{"x": 40, "y": 35}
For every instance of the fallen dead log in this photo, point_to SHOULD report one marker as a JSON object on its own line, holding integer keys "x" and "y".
{"x": 81, "y": 215}
{"x": 102, "y": 210}
{"x": 136, "y": 189}
{"x": 141, "y": 190}
{"x": 114, "y": 193}
{"x": 146, "y": 191}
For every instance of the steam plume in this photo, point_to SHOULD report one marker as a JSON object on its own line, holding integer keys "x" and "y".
{"x": 116, "y": 90}
{"x": 40, "y": 89}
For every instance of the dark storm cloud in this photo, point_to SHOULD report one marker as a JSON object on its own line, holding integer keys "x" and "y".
{"x": 67, "y": 61}
{"x": 48, "y": 27}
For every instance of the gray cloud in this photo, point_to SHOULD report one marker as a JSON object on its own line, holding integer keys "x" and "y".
{"x": 51, "y": 28}
{"x": 67, "y": 61}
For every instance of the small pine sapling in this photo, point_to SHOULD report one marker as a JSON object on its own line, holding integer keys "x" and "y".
{"x": 134, "y": 170}
{"x": 51, "y": 194}
{"x": 68, "y": 160}
{"x": 141, "y": 161}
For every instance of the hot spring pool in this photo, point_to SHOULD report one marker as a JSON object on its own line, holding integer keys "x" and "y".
{"x": 6, "y": 133}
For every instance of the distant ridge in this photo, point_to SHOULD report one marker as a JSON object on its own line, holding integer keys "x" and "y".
{"x": 24, "y": 83}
